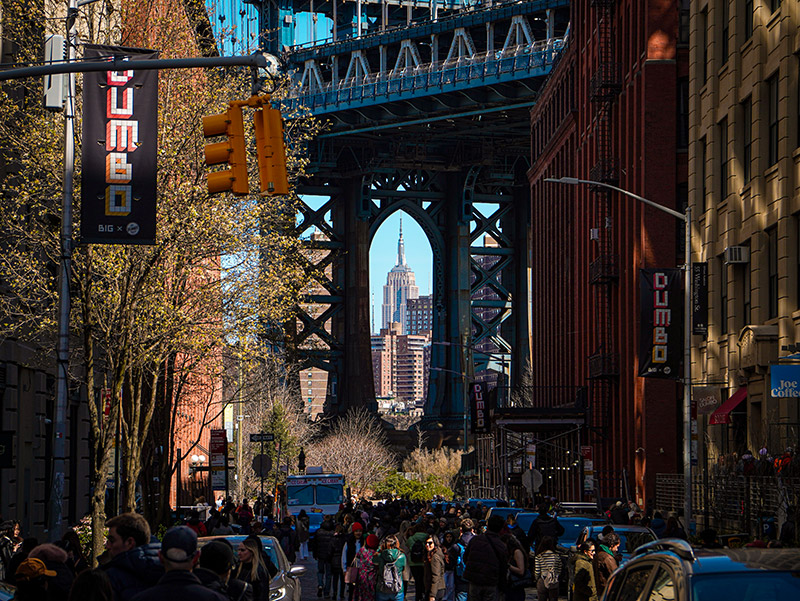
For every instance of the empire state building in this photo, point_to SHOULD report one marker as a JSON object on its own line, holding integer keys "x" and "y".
{"x": 400, "y": 286}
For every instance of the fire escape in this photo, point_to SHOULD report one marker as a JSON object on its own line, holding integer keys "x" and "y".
{"x": 604, "y": 88}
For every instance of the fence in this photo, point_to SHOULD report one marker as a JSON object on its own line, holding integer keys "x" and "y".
{"x": 731, "y": 502}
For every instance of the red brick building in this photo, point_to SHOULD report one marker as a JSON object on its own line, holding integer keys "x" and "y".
{"x": 614, "y": 111}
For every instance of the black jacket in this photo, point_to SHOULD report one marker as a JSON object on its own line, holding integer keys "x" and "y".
{"x": 260, "y": 584}
{"x": 134, "y": 571}
{"x": 235, "y": 589}
{"x": 486, "y": 560}
{"x": 179, "y": 585}
{"x": 323, "y": 543}
{"x": 287, "y": 538}
{"x": 544, "y": 525}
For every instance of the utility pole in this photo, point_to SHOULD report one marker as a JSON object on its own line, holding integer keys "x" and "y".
{"x": 54, "y": 521}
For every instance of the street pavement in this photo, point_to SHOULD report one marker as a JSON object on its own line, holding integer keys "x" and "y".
{"x": 308, "y": 583}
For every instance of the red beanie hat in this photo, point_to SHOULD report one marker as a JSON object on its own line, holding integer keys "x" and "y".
{"x": 372, "y": 541}
{"x": 356, "y": 526}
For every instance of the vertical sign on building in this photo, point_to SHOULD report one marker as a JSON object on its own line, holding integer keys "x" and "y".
{"x": 218, "y": 459}
{"x": 661, "y": 335}
{"x": 700, "y": 299}
{"x": 120, "y": 128}
{"x": 479, "y": 407}
{"x": 587, "y": 457}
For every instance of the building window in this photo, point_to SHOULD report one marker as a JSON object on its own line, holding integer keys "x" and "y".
{"x": 723, "y": 160}
{"x": 725, "y": 32}
{"x": 747, "y": 138}
{"x": 723, "y": 296}
{"x": 772, "y": 99}
{"x": 683, "y": 113}
{"x": 772, "y": 272}
{"x": 701, "y": 175}
{"x": 683, "y": 26}
{"x": 747, "y": 13}
{"x": 774, "y": 5}
{"x": 702, "y": 29}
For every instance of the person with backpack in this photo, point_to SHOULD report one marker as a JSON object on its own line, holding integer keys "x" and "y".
{"x": 547, "y": 569}
{"x": 434, "y": 569}
{"x": 486, "y": 562}
{"x": 544, "y": 525}
{"x": 389, "y": 565}
{"x": 456, "y": 553}
{"x": 366, "y": 575}
{"x": 416, "y": 559}
{"x": 287, "y": 538}
{"x": 323, "y": 553}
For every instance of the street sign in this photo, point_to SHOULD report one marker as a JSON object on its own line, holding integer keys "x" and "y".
{"x": 262, "y": 437}
{"x": 262, "y": 464}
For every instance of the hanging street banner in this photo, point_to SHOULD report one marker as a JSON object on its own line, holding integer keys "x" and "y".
{"x": 784, "y": 381}
{"x": 700, "y": 299}
{"x": 120, "y": 129}
{"x": 660, "y": 337}
{"x": 707, "y": 399}
{"x": 479, "y": 407}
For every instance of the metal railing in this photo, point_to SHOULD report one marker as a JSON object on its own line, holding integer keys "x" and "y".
{"x": 432, "y": 76}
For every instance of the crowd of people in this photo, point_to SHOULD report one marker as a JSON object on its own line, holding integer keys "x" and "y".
{"x": 136, "y": 566}
{"x": 373, "y": 553}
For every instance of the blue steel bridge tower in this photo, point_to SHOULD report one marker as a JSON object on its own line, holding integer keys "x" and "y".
{"x": 428, "y": 110}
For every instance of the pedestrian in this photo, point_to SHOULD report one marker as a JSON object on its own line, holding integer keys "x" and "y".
{"x": 583, "y": 585}
{"x": 179, "y": 555}
{"x": 303, "y": 534}
{"x": 485, "y": 562}
{"x": 28, "y": 545}
{"x": 195, "y": 524}
{"x": 416, "y": 559}
{"x": 364, "y": 589}
{"x": 434, "y": 570}
{"x": 353, "y": 544}
{"x": 32, "y": 579}
{"x": 214, "y": 571}
{"x": 674, "y": 529}
{"x": 133, "y": 564}
{"x": 544, "y": 525}
{"x": 518, "y": 532}
{"x": 390, "y": 562}
{"x": 519, "y": 575}
{"x": 91, "y": 585}
{"x": 223, "y": 527}
{"x": 546, "y": 569}
{"x": 252, "y": 568}
{"x": 448, "y": 540}
{"x": 55, "y": 559}
{"x": 244, "y": 516}
{"x": 605, "y": 561}
{"x": 618, "y": 514}
{"x": 337, "y": 572}
{"x": 7, "y": 547}
{"x": 467, "y": 530}
{"x": 287, "y": 538}
{"x": 323, "y": 553}
{"x": 71, "y": 543}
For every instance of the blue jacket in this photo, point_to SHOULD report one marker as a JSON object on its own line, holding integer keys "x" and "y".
{"x": 134, "y": 571}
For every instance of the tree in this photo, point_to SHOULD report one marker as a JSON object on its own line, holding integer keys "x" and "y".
{"x": 396, "y": 484}
{"x": 442, "y": 464}
{"x": 356, "y": 447}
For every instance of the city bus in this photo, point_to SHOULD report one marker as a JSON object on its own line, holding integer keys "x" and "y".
{"x": 318, "y": 494}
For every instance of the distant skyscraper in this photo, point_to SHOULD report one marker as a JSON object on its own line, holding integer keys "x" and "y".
{"x": 400, "y": 286}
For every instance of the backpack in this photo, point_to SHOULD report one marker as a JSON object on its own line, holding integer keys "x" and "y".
{"x": 418, "y": 551}
{"x": 550, "y": 579}
{"x": 460, "y": 565}
{"x": 392, "y": 582}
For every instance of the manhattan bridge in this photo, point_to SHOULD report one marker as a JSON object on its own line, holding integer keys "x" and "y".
{"x": 428, "y": 110}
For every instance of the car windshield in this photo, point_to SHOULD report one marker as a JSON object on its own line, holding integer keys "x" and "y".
{"x": 630, "y": 541}
{"x": 754, "y": 585}
{"x": 572, "y": 528}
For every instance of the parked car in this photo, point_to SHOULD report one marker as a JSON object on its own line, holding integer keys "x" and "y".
{"x": 285, "y": 585}
{"x": 503, "y": 512}
{"x": 670, "y": 569}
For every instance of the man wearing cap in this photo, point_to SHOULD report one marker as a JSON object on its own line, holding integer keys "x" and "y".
{"x": 134, "y": 564}
{"x": 179, "y": 555}
{"x": 216, "y": 562}
{"x": 32, "y": 580}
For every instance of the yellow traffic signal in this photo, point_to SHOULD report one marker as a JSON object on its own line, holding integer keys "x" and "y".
{"x": 271, "y": 151}
{"x": 232, "y": 152}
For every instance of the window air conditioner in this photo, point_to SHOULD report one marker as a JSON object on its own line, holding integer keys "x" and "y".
{"x": 737, "y": 254}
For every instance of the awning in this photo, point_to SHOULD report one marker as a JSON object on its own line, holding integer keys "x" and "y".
{"x": 722, "y": 415}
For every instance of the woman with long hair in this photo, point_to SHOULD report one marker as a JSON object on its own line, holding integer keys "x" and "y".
{"x": 389, "y": 589}
{"x": 448, "y": 540}
{"x": 546, "y": 569}
{"x": 252, "y": 569}
{"x": 518, "y": 574}
{"x": 434, "y": 569}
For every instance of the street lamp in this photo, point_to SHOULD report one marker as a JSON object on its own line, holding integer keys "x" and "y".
{"x": 686, "y": 217}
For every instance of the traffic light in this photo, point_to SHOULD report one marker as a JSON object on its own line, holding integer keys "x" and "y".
{"x": 232, "y": 152}
{"x": 271, "y": 151}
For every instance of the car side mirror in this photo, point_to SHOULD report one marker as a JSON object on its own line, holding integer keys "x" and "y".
{"x": 297, "y": 571}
